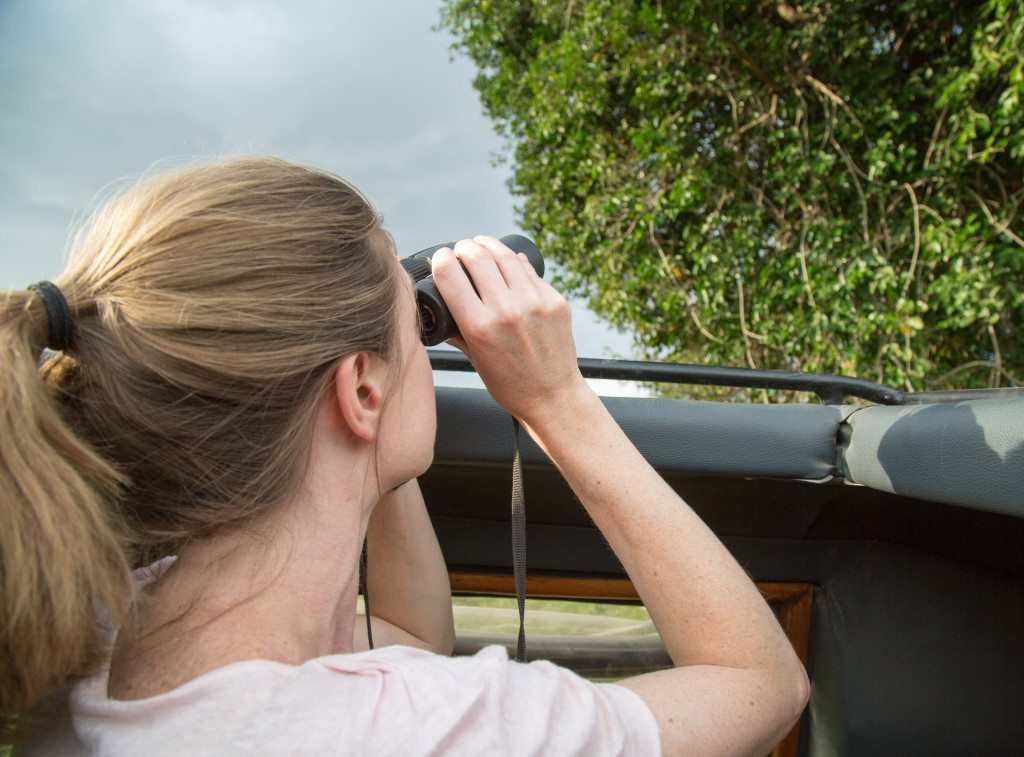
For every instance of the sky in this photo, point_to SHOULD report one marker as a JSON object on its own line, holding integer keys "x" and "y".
{"x": 94, "y": 95}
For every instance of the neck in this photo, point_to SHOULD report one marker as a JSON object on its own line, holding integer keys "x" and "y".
{"x": 291, "y": 589}
{"x": 285, "y": 591}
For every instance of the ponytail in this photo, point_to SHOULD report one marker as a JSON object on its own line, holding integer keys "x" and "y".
{"x": 62, "y": 558}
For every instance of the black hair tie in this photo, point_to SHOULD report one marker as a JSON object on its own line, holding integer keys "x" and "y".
{"x": 58, "y": 313}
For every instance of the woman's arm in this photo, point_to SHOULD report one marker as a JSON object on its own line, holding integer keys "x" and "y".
{"x": 410, "y": 595}
{"x": 738, "y": 685}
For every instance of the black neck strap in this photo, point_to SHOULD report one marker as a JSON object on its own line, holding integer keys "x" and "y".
{"x": 364, "y": 589}
{"x": 519, "y": 543}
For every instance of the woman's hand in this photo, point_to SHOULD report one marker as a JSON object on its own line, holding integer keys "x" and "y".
{"x": 516, "y": 329}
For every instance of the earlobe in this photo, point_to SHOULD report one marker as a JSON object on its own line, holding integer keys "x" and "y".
{"x": 358, "y": 392}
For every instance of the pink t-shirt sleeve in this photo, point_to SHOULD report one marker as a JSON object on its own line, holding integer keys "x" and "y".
{"x": 487, "y": 704}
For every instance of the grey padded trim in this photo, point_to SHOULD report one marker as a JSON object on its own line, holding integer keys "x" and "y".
{"x": 691, "y": 438}
{"x": 962, "y": 453}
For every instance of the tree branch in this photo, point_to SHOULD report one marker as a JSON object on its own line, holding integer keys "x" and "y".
{"x": 667, "y": 267}
{"x": 856, "y": 183}
{"x": 917, "y": 238}
{"x": 823, "y": 88}
{"x": 1000, "y": 227}
{"x": 970, "y": 366}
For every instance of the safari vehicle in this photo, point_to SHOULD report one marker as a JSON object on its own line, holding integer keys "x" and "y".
{"x": 887, "y": 533}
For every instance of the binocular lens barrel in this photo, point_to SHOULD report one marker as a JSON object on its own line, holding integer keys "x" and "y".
{"x": 436, "y": 322}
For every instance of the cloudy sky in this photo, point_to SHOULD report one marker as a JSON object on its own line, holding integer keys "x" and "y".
{"x": 94, "y": 94}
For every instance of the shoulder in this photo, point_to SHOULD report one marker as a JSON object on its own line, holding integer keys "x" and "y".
{"x": 487, "y": 703}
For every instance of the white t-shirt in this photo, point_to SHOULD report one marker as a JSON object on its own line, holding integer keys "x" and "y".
{"x": 390, "y": 701}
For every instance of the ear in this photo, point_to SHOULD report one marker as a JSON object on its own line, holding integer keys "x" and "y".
{"x": 359, "y": 380}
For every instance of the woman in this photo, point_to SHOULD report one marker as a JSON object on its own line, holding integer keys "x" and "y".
{"x": 238, "y": 388}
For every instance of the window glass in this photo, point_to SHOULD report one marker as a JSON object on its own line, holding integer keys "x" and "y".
{"x": 601, "y": 641}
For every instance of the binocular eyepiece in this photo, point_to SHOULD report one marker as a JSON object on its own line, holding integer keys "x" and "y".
{"x": 436, "y": 322}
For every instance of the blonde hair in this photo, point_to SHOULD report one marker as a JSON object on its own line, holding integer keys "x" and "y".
{"x": 209, "y": 306}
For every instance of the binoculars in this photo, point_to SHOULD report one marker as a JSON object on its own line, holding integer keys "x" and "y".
{"x": 436, "y": 322}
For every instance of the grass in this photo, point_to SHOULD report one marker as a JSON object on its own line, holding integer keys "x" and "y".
{"x": 551, "y": 617}
{"x": 601, "y": 609}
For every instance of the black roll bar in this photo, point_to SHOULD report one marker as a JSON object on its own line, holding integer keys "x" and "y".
{"x": 831, "y": 389}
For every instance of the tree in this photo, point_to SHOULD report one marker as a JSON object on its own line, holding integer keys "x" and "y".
{"x": 834, "y": 186}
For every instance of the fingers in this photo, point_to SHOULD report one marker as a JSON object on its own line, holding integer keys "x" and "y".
{"x": 482, "y": 267}
{"x": 509, "y": 263}
{"x": 455, "y": 287}
{"x": 531, "y": 272}
{"x": 491, "y": 277}
{"x": 496, "y": 271}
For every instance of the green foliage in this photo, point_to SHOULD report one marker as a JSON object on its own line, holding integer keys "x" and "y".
{"x": 832, "y": 187}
